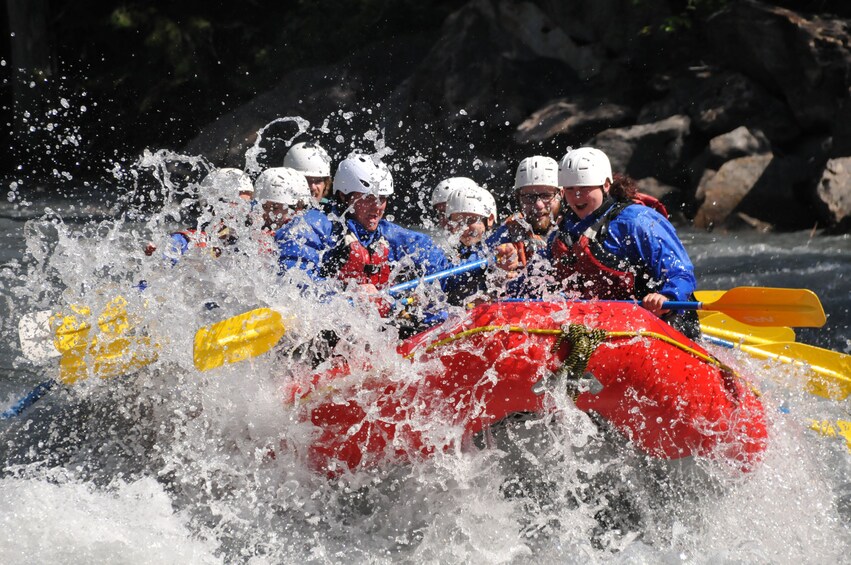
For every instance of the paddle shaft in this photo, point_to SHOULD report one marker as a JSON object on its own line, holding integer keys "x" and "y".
{"x": 28, "y": 400}
{"x": 686, "y": 305}
{"x": 683, "y": 305}
{"x": 457, "y": 270}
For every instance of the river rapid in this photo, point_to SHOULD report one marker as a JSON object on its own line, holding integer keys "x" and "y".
{"x": 170, "y": 465}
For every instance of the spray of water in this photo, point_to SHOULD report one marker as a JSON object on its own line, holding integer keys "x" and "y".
{"x": 169, "y": 464}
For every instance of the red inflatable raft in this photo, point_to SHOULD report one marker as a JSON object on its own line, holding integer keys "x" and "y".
{"x": 660, "y": 390}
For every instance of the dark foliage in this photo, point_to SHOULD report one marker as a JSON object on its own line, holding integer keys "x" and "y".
{"x": 152, "y": 74}
{"x": 124, "y": 76}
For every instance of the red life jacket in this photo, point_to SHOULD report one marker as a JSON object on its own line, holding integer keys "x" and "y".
{"x": 350, "y": 260}
{"x": 266, "y": 242}
{"x": 526, "y": 241}
{"x": 586, "y": 268}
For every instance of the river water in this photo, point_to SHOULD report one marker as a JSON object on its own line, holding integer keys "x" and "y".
{"x": 167, "y": 465}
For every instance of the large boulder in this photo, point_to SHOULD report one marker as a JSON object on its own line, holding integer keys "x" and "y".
{"x": 834, "y": 195}
{"x": 494, "y": 63}
{"x": 573, "y": 120}
{"x": 718, "y": 101}
{"x": 737, "y": 143}
{"x": 331, "y": 99}
{"x": 658, "y": 149}
{"x": 536, "y": 31}
{"x": 304, "y": 93}
{"x": 723, "y": 191}
{"x": 740, "y": 142}
{"x": 614, "y": 27}
{"x": 807, "y": 60}
{"x": 760, "y": 189}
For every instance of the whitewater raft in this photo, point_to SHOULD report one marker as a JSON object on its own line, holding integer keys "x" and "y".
{"x": 664, "y": 393}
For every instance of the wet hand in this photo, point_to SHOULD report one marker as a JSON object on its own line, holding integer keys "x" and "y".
{"x": 371, "y": 295}
{"x": 367, "y": 288}
{"x": 507, "y": 257}
{"x": 655, "y": 303}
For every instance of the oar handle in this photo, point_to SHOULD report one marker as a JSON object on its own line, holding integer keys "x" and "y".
{"x": 682, "y": 305}
{"x": 668, "y": 305}
{"x": 463, "y": 268}
{"x": 28, "y": 400}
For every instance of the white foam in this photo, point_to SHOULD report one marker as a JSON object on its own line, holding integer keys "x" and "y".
{"x": 47, "y": 521}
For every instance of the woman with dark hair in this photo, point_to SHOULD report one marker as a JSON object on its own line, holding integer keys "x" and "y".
{"x": 613, "y": 245}
{"x": 625, "y": 189}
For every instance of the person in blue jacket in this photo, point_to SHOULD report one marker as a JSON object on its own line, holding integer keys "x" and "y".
{"x": 470, "y": 215}
{"x": 612, "y": 243}
{"x": 355, "y": 244}
{"x": 227, "y": 194}
{"x": 611, "y": 248}
{"x": 522, "y": 237}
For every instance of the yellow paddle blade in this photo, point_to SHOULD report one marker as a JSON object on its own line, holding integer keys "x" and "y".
{"x": 108, "y": 356}
{"x": 114, "y": 350}
{"x": 830, "y": 370}
{"x": 826, "y": 428}
{"x": 707, "y": 296}
{"x": 723, "y": 326}
{"x": 761, "y": 306}
{"x": 72, "y": 331}
{"x": 230, "y": 341}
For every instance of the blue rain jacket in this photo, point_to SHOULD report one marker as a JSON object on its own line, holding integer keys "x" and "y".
{"x": 645, "y": 239}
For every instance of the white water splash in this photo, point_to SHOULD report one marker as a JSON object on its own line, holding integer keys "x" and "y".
{"x": 57, "y": 520}
{"x": 256, "y": 151}
{"x": 173, "y": 465}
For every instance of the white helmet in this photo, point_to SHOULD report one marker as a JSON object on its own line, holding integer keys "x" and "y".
{"x": 224, "y": 184}
{"x": 282, "y": 185}
{"x": 585, "y": 166}
{"x": 447, "y": 186}
{"x": 471, "y": 200}
{"x": 537, "y": 170}
{"x": 363, "y": 174}
{"x": 309, "y": 159}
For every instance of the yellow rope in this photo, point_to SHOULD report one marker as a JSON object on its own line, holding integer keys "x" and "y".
{"x": 584, "y": 342}
{"x": 483, "y": 329}
{"x": 606, "y": 335}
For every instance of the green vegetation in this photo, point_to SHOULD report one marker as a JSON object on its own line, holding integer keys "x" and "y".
{"x": 685, "y": 13}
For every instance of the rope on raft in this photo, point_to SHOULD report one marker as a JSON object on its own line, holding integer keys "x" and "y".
{"x": 583, "y": 342}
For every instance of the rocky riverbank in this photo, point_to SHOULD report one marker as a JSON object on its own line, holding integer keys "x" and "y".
{"x": 743, "y": 120}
